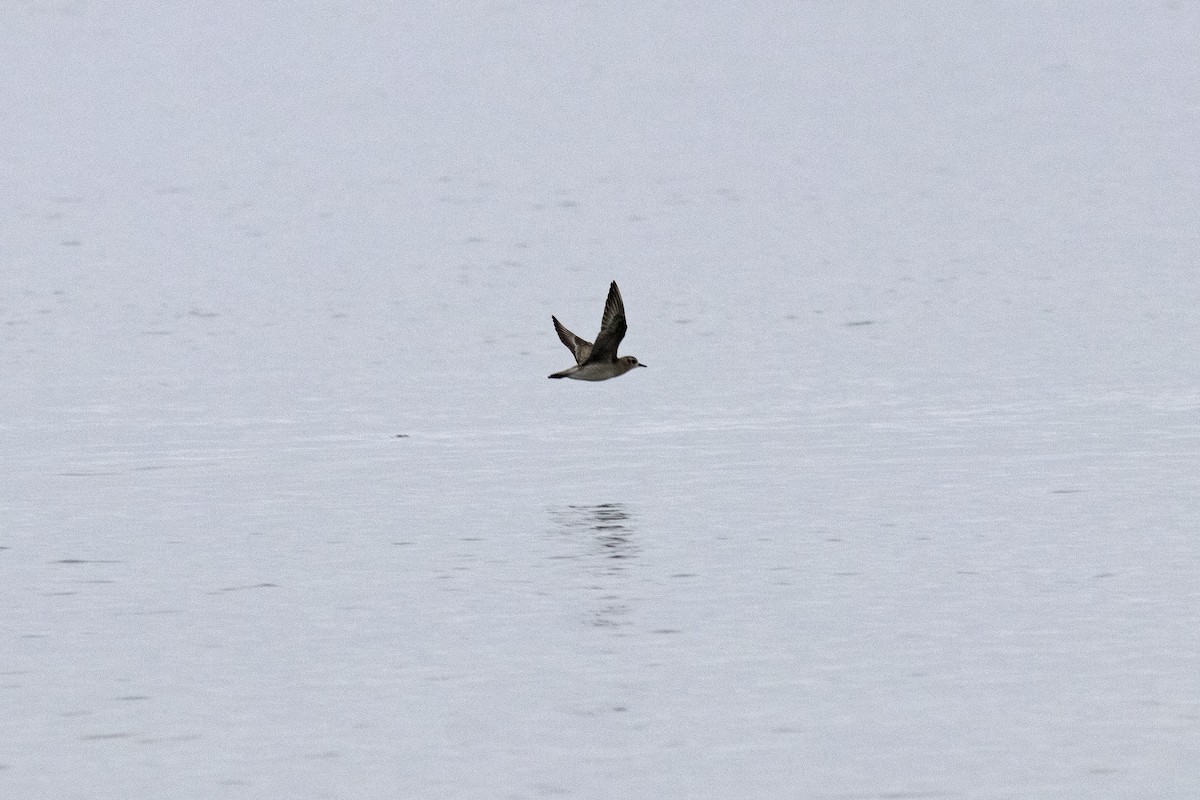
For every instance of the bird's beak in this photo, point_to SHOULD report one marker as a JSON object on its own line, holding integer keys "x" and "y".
{"x": 640, "y": 364}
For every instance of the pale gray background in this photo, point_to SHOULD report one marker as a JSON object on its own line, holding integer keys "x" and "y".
{"x": 906, "y": 505}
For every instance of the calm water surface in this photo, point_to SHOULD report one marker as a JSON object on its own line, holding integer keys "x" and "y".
{"x": 570, "y": 588}
{"x": 905, "y": 505}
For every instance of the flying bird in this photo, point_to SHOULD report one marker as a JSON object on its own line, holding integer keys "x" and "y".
{"x": 599, "y": 361}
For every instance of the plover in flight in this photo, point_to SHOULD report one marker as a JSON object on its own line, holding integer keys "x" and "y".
{"x": 599, "y": 362}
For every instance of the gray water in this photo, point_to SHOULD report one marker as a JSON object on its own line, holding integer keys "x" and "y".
{"x": 905, "y": 505}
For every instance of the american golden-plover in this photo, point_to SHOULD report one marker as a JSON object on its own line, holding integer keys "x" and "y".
{"x": 599, "y": 361}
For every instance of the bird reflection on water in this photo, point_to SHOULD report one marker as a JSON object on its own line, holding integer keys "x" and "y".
{"x": 609, "y": 524}
{"x": 609, "y": 550}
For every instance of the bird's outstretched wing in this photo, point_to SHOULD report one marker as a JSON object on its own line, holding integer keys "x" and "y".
{"x": 612, "y": 328}
{"x": 580, "y": 348}
{"x": 614, "y": 307}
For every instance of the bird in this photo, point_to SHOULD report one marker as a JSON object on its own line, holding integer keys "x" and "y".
{"x": 599, "y": 361}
